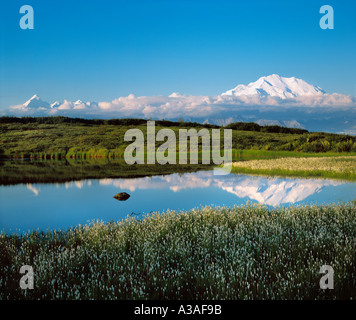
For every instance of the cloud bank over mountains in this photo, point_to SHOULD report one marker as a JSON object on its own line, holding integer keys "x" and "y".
{"x": 272, "y": 98}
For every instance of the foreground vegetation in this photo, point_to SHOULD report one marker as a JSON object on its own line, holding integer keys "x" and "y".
{"x": 61, "y": 137}
{"x": 330, "y": 167}
{"x": 247, "y": 252}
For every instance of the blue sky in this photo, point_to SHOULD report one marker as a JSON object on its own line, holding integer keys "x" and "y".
{"x": 101, "y": 50}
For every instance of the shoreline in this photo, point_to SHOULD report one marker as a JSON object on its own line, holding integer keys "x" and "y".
{"x": 343, "y": 167}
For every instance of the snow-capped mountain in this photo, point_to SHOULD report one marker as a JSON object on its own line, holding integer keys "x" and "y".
{"x": 78, "y": 102}
{"x": 55, "y": 104}
{"x": 35, "y": 102}
{"x": 276, "y": 86}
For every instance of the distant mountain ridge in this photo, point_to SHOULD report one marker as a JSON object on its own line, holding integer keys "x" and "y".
{"x": 273, "y": 86}
{"x": 271, "y": 100}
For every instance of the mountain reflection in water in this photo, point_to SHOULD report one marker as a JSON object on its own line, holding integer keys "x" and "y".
{"x": 42, "y": 206}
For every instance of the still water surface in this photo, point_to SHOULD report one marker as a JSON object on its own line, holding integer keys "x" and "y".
{"x": 40, "y": 206}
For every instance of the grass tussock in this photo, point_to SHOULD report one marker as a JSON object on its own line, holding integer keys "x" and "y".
{"x": 333, "y": 167}
{"x": 247, "y": 252}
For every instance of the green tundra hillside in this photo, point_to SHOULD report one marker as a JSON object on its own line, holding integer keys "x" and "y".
{"x": 61, "y": 137}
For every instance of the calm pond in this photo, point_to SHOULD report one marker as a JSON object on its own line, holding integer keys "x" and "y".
{"x": 60, "y": 205}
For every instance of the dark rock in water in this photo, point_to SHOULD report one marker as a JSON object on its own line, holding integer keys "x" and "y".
{"x": 123, "y": 196}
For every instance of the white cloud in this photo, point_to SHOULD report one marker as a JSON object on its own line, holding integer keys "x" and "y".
{"x": 176, "y": 105}
{"x": 66, "y": 105}
{"x": 32, "y": 188}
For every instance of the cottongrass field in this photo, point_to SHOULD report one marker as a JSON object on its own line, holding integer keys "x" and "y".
{"x": 249, "y": 252}
{"x": 333, "y": 167}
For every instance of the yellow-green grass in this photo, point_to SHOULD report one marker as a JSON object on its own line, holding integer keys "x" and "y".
{"x": 343, "y": 167}
{"x": 250, "y": 252}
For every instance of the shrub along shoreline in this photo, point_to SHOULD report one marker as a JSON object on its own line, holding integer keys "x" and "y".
{"x": 248, "y": 252}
